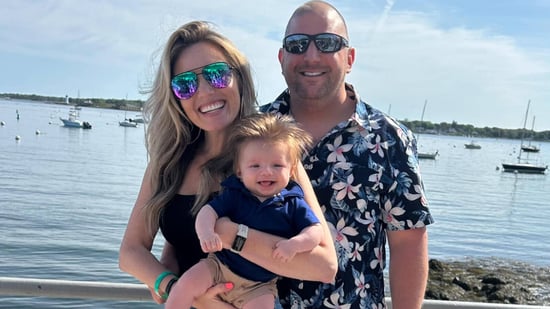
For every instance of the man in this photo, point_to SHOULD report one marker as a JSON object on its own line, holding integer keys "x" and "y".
{"x": 363, "y": 168}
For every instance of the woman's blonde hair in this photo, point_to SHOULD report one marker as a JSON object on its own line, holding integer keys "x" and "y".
{"x": 271, "y": 128}
{"x": 171, "y": 138}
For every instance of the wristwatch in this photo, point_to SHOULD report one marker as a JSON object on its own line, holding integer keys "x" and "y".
{"x": 240, "y": 239}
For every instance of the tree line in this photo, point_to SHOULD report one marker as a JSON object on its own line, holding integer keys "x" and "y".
{"x": 456, "y": 129}
{"x": 122, "y": 104}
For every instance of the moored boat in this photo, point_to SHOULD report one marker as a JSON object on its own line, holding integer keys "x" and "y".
{"x": 472, "y": 145}
{"x": 138, "y": 119}
{"x": 425, "y": 155}
{"x": 428, "y": 155}
{"x": 73, "y": 121}
{"x": 526, "y": 168}
{"x": 530, "y": 148}
{"x": 524, "y": 165}
{"x": 128, "y": 123}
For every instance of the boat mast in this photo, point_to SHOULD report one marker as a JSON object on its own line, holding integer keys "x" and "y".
{"x": 422, "y": 119}
{"x": 423, "y": 110}
{"x": 523, "y": 131}
{"x": 532, "y": 133}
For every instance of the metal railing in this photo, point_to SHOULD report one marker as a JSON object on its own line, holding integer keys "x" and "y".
{"x": 74, "y": 289}
{"x": 139, "y": 292}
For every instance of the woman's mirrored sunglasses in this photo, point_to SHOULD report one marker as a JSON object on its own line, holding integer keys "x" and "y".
{"x": 326, "y": 42}
{"x": 186, "y": 84}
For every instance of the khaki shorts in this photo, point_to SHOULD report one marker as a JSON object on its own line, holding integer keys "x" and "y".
{"x": 243, "y": 289}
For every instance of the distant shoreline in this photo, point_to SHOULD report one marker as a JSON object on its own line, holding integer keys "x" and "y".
{"x": 129, "y": 105}
{"x": 418, "y": 127}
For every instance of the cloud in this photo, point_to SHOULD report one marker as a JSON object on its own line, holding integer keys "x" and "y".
{"x": 405, "y": 55}
{"x": 465, "y": 74}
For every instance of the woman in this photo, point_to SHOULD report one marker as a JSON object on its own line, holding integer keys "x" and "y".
{"x": 202, "y": 86}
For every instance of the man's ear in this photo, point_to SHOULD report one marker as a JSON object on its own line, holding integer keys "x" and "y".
{"x": 351, "y": 59}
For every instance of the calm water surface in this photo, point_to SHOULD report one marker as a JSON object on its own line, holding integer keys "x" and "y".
{"x": 66, "y": 194}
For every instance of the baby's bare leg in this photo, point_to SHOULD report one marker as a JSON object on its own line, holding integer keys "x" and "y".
{"x": 192, "y": 284}
{"x": 266, "y": 301}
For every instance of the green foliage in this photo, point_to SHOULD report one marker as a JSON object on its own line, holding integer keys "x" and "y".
{"x": 457, "y": 129}
{"x": 90, "y": 102}
{"x": 416, "y": 126}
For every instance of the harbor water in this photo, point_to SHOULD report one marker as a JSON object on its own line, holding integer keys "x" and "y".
{"x": 66, "y": 194}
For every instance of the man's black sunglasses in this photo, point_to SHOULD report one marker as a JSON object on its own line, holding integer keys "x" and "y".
{"x": 326, "y": 42}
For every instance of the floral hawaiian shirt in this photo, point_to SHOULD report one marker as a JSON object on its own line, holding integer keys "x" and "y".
{"x": 366, "y": 176}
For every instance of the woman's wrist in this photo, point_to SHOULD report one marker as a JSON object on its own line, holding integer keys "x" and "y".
{"x": 169, "y": 286}
{"x": 164, "y": 283}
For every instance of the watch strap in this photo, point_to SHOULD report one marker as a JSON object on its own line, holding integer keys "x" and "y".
{"x": 240, "y": 239}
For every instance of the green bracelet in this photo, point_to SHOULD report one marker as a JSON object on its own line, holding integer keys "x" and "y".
{"x": 159, "y": 280}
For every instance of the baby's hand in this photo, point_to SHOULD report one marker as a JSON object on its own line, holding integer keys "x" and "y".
{"x": 284, "y": 251}
{"x": 210, "y": 243}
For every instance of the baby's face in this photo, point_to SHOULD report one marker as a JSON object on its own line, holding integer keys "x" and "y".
{"x": 264, "y": 167}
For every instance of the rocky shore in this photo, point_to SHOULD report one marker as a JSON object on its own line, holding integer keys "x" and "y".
{"x": 489, "y": 281}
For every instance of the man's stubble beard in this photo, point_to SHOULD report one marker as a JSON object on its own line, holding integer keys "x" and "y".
{"x": 304, "y": 91}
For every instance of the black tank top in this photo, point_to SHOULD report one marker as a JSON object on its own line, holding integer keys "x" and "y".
{"x": 177, "y": 225}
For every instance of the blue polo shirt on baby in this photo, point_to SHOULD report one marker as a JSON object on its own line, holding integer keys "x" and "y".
{"x": 285, "y": 215}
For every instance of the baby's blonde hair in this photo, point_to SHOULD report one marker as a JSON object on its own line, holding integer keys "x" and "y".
{"x": 270, "y": 128}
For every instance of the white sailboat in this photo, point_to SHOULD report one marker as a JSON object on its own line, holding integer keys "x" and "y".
{"x": 523, "y": 165}
{"x": 529, "y": 147}
{"x": 425, "y": 155}
{"x": 127, "y": 122}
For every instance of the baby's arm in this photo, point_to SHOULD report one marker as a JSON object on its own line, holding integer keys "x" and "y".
{"x": 308, "y": 239}
{"x": 204, "y": 225}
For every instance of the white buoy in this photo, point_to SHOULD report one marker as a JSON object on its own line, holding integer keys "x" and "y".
{"x": 17, "y": 137}
{"x": 37, "y": 132}
{"x": 2, "y": 123}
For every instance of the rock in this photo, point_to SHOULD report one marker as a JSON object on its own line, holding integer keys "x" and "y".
{"x": 488, "y": 281}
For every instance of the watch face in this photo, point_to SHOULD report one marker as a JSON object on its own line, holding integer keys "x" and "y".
{"x": 238, "y": 244}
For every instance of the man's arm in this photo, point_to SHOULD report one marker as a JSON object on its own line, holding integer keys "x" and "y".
{"x": 408, "y": 267}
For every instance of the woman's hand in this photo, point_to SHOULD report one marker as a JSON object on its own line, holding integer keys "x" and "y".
{"x": 210, "y": 299}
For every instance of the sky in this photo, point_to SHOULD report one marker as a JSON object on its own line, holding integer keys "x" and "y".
{"x": 473, "y": 62}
